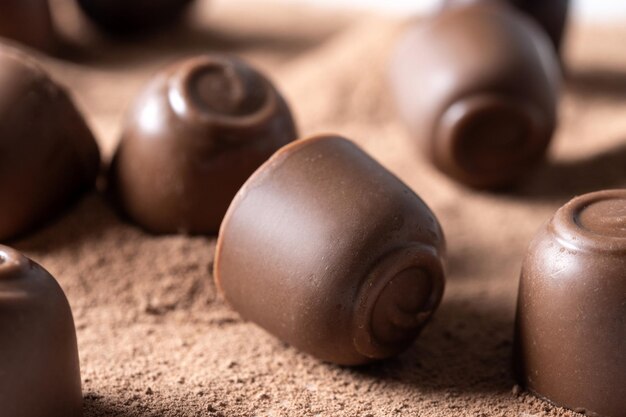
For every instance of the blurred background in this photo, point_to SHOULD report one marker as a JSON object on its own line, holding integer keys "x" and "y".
{"x": 582, "y": 9}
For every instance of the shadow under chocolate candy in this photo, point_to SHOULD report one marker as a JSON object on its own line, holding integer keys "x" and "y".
{"x": 558, "y": 180}
{"x": 466, "y": 349}
{"x": 87, "y": 220}
{"x": 598, "y": 83}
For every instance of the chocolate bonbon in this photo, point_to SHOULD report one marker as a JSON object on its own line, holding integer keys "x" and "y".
{"x": 194, "y": 136}
{"x": 551, "y": 15}
{"x": 478, "y": 87}
{"x": 327, "y": 250}
{"x": 571, "y": 317}
{"x": 38, "y": 351}
{"x": 125, "y": 17}
{"x": 48, "y": 155}
{"x": 28, "y": 22}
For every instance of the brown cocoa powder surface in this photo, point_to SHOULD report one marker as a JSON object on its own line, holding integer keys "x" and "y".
{"x": 154, "y": 337}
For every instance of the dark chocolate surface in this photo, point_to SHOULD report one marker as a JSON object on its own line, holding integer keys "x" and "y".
{"x": 478, "y": 87}
{"x": 193, "y": 137}
{"x": 28, "y": 22}
{"x": 40, "y": 373}
{"x": 570, "y": 330}
{"x": 126, "y": 17}
{"x": 327, "y": 250}
{"x": 48, "y": 155}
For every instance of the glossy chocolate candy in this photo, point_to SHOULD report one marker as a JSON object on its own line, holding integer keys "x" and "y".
{"x": 551, "y": 15}
{"x": 38, "y": 351}
{"x": 194, "y": 136}
{"x": 28, "y": 22}
{"x": 571, "y": 318}
{"x": 478, "y": 89}
{"x": 125, "y": 17}
{"x": 327, "y": 250}
{"x": 48, "y": 155}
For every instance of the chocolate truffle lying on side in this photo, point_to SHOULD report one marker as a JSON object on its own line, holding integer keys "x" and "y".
{"x": 330, "y": 252}
{"x": 48, "y": 155}
{"x": 478, "y": 88}
{"x": 570, "y": 345}
{"x": 28, "y": 22}
{"x": 126, "y": 17}
{"x": 40, "y": 375}
{"x": 194, "y": 136}
{"x": 551, "y": 15}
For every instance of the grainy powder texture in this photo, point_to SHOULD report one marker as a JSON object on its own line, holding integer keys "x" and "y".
{"x": 154, "y": 337}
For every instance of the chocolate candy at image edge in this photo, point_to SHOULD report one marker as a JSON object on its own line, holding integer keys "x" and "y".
{"x": 193, "y": 137}
{"x": 551, "y": 15}
{"x": 38, "y": 352}
{"x": 570, "y": 344}
{"x": 478, "y": 88}
{"x": 28, "y": 22}
{"x": 48, "y": 155}
{"x": 130, "y": 17}
{"x": 330, "y": 252}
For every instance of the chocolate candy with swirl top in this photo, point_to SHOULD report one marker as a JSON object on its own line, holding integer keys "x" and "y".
{"x": 478, "y": 88}
{"x": 38, "y": 351}
{"x": 330, "y": 252}
{"x": 570, "y": 344}
{"x": 194, "y": 136}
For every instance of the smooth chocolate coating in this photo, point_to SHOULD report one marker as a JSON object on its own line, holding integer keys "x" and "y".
{"x": 40, "y": 373}
{"x": 28, "y": 22}
{"x": 551, "y": 15}
{"x": 478, "y": 89}
{"x": 330, "y": 252}
{"x": 194, "y": 136}
{"x": 126, "y": 17}
{"x": 48, "y": 155}
{"x": 570, "y": 345}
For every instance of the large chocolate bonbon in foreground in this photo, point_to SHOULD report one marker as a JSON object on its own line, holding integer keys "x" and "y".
{"x": 329, "y": 251}
{"x": 194, "y": 136}
{"x": 478, "y": 89}
{"x": 48, "y": 155}
{"x": 551, "y": 15}
{"x": 28, "y": 22}
{"x": 124, "y": 17}
{"x": 39, "y": 368}
{"x": 570, "y": 345}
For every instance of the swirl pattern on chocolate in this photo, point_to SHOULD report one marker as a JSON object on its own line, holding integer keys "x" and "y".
{"x": 357, "y": 252}
{"x": 195, "y": 134}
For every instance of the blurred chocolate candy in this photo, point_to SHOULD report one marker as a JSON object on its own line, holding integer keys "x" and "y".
{"x": 28, "y": 22}
{"x": 570, "y": 345}
{"x": 478, "y": 89}
{"x": 551, "y": 15}
{"x": 125, "y": 17}
{"x": 38, "y": 350}
{"x": 48, "y": 155}
{"x": 195, "y": 134}
{"x": 330, "y": 252}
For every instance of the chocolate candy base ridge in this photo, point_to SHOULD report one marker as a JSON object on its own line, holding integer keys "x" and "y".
{"x": 327, "y": 250}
